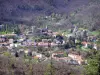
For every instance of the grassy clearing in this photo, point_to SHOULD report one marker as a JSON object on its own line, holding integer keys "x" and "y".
{"x": 85, "y": 49}
{"x": 5, "y": 32}
{"x": 83, "y": 29}
{"x": 95, "y": 33}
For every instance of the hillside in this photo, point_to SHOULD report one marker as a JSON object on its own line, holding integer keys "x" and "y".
{"x": 83, "y": 13}
{"x": 23, "y": 11}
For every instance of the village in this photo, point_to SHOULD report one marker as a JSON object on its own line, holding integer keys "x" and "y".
{"x": 43, "y": 44}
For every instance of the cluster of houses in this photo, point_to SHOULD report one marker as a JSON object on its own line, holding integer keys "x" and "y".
{"x": 3, "y": 40}
{"x": 48, "y": 38}
{"x": 28, "y": 53}
{"x": 89, "y": 45}
{"x": 45, "y": 43}
{"x": 86, "y": 39}
{"x": 71, "y": 58}
{"x": 11, "y": 40}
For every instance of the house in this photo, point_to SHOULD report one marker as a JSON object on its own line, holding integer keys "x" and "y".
{"x": 43, "y": 31}
{"x": 11, "y": 41}
{"x": 12, "y": 45}
{"x": 20, "y": 40}
{"x": 85, "y": 44}
{"x": 3, "y": 39}
{"x": 37, "y": 55}
{"x": 59, "y": 39}
{"x": 53, "y": 44}
{"x": 43, "y": 44}
{"x": 76, "y": 57}
{"x": 95, "y": 47}
{"x": 26, "y": 52}
{"x": 59, "y": 56}
{"x": 4, "y": 44}
{"x": 92, "y": 38}
{"x": 44, "y": 40}
{"x": 54, "y": 34}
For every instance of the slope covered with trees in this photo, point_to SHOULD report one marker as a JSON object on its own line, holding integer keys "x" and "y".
{"x": 26, "y": 10}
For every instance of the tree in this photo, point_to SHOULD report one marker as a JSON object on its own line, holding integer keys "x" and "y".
{"x": 93, "y": 67}
{"x": 50, "y": 70}
{"x": 17, "y": 30}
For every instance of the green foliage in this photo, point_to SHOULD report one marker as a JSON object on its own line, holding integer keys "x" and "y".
{"x": 85, "y": 49}
{"x": 5, "y": 32}
{"x": 82, "y": 29}
{"x": 98, "y": 42}
{"x": 35, "y": 60}
{"x": 47, "y": 54}
{"x": 78, "y": 46}
{"x": 95, "y": 33}
{"x": 65, "y": 54}
{"x": 17, "y": 31}
{"x": 50, "y": 70}
{"x": 7, "y": 54}
{"x": 31, "y": 68}
{"x": 65, "y": 32}
{"x": 72, "y": 14}
{"x": 93, "y": 66}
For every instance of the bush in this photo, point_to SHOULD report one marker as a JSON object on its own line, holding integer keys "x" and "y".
{"x": 7, "y": 54}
